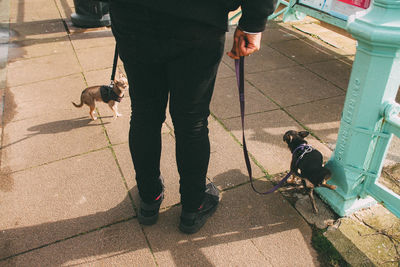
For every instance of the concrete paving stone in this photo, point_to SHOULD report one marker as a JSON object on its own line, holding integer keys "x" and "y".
{"x": 42, "y": 98}
{"x": 30, "y": 49}
{"x": 278, "y": 34}
{"x": 322, "y": 117}
{"x": 247, "y": 229}
{"x": 299, "y": 84}
{"x": 264, "y": 133}
{"x": 44, "y": 31}
{"x": 335, "y": 71}
{"x": 168, "y": 168}
{"x": 225, "y": 70}
{"x": 90, "y": 39}
{"x": 302, "y": 51}
{"x": 227, "y": 167}
{"x": 333, "y": 38}
{"x": 225, "y": 102}
{"x": 60, "y": 201}
{"x": 264, "y": 60}
{"x": 28, "y": 11}
{"x": 98, "y": 77}
{"x": 121, "y": 244}
{"x": 4, "y": 13}
{"x": 66, "y": 8}
{"x": 96, "y": 58}
{"x": 49, "y": 138}
{"x": 42, "y": 68}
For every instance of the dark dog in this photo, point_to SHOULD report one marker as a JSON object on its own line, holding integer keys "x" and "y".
{"x": 307, "y": 164}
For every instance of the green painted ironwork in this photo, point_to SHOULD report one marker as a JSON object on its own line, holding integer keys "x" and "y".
{"x": 370, "y": 115}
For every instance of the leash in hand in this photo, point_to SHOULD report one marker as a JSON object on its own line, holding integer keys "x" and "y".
{"x": 239, "y": 67}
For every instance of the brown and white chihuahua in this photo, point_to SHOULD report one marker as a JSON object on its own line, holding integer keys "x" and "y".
{"x": 309, "y": 166}
{"x": 107, "y": 94}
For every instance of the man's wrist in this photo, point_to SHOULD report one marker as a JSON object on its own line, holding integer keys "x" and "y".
{"x": 247, "y": 32}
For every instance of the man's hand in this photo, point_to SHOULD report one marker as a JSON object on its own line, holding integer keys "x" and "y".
{"x": 244, "y": 44}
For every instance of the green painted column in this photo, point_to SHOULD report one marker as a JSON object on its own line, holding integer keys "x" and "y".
{"x": 363, "y": 141}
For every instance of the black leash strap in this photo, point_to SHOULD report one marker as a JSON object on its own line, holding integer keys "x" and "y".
{"x": 114, "y": 70}
{"x": 239, "y": 67}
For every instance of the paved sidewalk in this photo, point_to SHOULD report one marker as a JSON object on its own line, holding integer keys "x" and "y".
{"x": 67, "y": 189}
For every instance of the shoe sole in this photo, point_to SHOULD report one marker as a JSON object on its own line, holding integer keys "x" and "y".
{"x": 196, "y": 227}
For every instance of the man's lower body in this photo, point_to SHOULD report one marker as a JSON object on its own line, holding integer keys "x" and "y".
{"x": 168, "y": 57}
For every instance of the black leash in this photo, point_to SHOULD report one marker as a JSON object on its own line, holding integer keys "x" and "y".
{"x": 239, "y": 67}
{"x": 114, "y": 69}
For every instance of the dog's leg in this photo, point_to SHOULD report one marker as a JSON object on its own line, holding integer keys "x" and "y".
{"x": 114, "y": 107}
{"x": 311, "y": 195}
{"x": 291, "y": 179}
{"x": 310, "y": 188}
{"x": 330, "y": 186}
{"x": 92, "y": 112}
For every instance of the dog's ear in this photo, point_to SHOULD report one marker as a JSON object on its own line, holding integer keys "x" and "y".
{"x": 303, "y": 134}
{"x": 287, "y": 137}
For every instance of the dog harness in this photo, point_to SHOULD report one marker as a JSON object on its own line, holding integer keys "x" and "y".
{"x": 108, "y": 94}
{"x": 305, "y": 149}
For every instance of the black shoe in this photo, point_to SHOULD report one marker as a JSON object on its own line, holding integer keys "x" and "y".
{"x": 148, "y": 212}
{"x": 191, "y": 222}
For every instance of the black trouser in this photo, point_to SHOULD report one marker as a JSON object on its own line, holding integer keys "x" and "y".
{"x": 163, "y": 56}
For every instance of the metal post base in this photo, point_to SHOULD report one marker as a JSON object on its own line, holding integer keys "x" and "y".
{"x": 86, "y": 21}
{"x": 341, "y": 206}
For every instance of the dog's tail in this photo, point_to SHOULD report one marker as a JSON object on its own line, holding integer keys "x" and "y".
{"x": 79, "y": 105}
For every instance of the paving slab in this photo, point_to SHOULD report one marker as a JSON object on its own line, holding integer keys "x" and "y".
{"x": 47, "y": 132}
{"x": 28, "y": 11}
{"x": 247, "y": 229}
{"x": 302, "y": 51}
{"x": 46, "y": 97}
{"x": 41, "y": 31}
{"x": 321, "y": 117}
{"x": 46, "y": 139}
{"x": 264, "y": 133}
{"x": 66, "y": 8}
{"x": 336, "y": 71}
{"x": 96, "y": 58}
{"x": 26, "y": 49}
{"x": 265, "y": 59}
{"x": 42, "y": 68}
{"x": 122, "y": 244}
{"x": 225, "y": 70}
{"x": 335, "y": 39}
{"x": 298, "y": 84}
{"x": 60, "y": 201}
{"x": 91, "y": 39}
{"x": 278, "y": 34}
{"x": 225, "y": 101}
{"x": 227, "y": 171}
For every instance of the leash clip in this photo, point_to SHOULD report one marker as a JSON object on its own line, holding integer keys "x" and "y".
{"x": 307, "y": 150}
